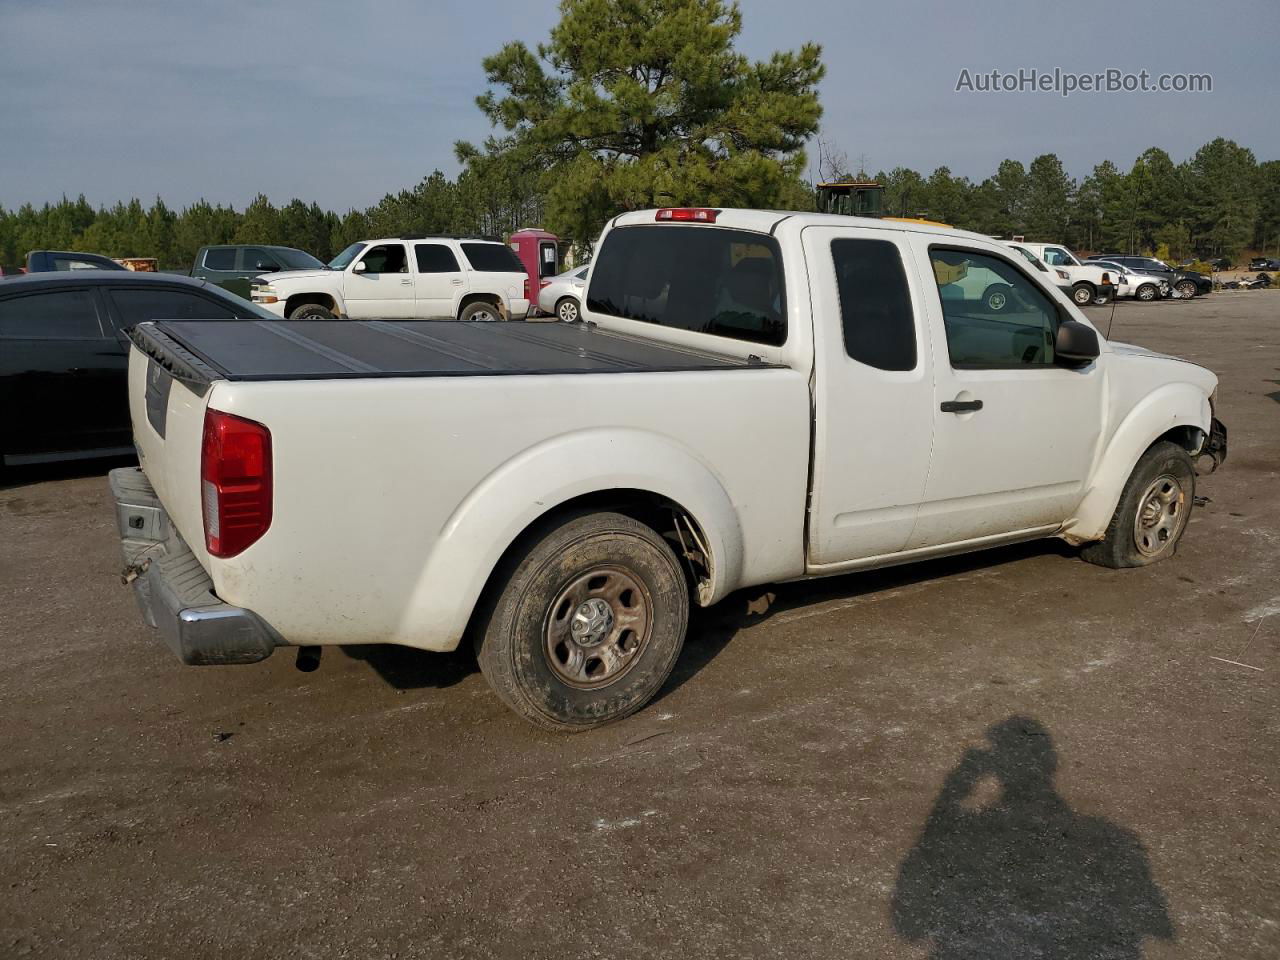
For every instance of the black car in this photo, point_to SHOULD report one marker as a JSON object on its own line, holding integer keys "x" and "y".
{"x": 1184, "y": 283}
{"x": 1264, "y": 263}
{"x": 64, "y": 355}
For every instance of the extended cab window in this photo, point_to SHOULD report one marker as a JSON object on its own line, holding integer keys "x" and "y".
{"x": 875, "y": 303}
{"x": 221, "y": 258}
{"x": 995, "y": 316}
{"x": 705, "y": 279}
{"x": 492, "y": 258}
{"x": 386, "y": 258}
{"x": 137, "y": 305}
{"x": 56, "y": 315}
{"x": 435, "y": 258}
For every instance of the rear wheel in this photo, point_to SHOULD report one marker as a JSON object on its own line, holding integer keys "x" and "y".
{"x": 481, "y": 310}
{"x": 588, "y": 624}
{"x": 1083, "y": 294}
{"x": 1153, "y": 511}
{"x": 996, "y": 297}
{"x": 1186, "y": 289}
{"x": 311, "y": 311}
{"x": 567, "y": 309}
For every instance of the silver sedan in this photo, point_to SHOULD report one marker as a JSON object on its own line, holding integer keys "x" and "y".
{"x": 562, "y": 295}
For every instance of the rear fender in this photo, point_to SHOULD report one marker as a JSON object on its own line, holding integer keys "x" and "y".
{"x": 1170, "y": 406}
{"x": 536, "y": 481}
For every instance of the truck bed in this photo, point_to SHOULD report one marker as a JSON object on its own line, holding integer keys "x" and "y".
{"x": 200, "y": 352}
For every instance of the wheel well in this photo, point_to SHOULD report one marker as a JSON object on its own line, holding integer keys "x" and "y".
{"x": 322, "y": 299}
{"x": 1083, "y": 283}
{"x": 471, "y": 298}
{"x": 1188, "y": 437}
{"x": 664, "y": 516}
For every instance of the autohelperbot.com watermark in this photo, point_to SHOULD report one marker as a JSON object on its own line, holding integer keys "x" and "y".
{"x": 1066, "y": 82}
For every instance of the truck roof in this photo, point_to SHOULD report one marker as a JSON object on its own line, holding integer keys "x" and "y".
{"x": 768, "y": 221}
{"x": 199, "y": 353}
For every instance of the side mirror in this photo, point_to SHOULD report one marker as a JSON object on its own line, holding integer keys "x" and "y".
{"x": 359, "y": 267}
{"x": 1076, "y": 342}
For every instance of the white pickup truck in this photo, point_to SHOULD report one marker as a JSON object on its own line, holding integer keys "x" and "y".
{"x": 408, "y": 278}
{"x": 1083, "y": 280}
{"x": 752, "y": 397}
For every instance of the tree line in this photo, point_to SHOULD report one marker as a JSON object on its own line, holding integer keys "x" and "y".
{"x": 1217, "y": 203}
{"x": 640, "y": 103}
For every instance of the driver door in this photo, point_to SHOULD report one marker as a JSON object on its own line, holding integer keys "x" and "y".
{"x": 1015, "y": 433}
{"x": 379, "y": 284}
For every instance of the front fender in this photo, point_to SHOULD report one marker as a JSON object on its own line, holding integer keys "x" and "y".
{"x": 1169, "y": 406}
{"x": 529, "y": 485}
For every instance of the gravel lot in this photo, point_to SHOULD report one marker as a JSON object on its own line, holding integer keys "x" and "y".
{"x": 820, "y": 778}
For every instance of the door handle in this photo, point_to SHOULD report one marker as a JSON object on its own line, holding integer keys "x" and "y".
{"x": 960, "y": 406}
{"x": 456, "y": 283}
{"x": 406, "y": 283}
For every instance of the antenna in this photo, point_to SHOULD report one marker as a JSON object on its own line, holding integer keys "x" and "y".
{"x": 1112, "y": 318}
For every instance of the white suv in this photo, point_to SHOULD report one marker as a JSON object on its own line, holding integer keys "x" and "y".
{"x": 404, "y": 278}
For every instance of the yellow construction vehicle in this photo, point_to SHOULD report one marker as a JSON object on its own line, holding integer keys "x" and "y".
{"x": 859, "y": 198}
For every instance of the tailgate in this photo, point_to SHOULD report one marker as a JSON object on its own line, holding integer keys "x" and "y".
{"x": 166, "y": 404}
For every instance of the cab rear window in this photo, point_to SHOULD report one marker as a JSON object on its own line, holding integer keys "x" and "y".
{"x": 705, "y": 279}
{"x": 492, "y": 258}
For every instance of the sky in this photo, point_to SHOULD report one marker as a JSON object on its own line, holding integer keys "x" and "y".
{"x": 343, "y": 102}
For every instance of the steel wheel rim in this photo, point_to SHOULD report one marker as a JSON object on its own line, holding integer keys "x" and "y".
{"x": 996, "y": 301}
{"x": 568, "y": 311}
{"x": 598, "y": 625}
{"x": 1162, "y": 513}
{"x": 1083, "y": 296}
{"x": 483, "y": 316}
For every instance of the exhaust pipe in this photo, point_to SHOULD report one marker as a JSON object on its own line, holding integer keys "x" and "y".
{"x": 308, "y": 659}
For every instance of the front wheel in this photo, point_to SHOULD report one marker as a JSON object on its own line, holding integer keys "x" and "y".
{"x": 1148, "y": 292}
{"x": 311, "y": 311}
{"x": 1186, "y": 289}
{"x": 1153, "y": 511}
{"x": 567, "y": 310}
{"x": 588, "y": 624}
{"x": 1083, "y": 294}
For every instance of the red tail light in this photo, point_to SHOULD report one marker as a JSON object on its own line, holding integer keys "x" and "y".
{"x": 543, "y": 284}
{"x": 688, "y": 214}
{"x": 526, "y": 288}
{"x": 235, "y": 482}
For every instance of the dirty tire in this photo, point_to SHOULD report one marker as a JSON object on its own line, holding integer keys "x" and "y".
{"x": 1120, "y": 547}
{"x": 546, "y": 587}
{"x": 1083, "y": 294}
{"x": 311, "y": 311}
{"x": 480, "y": 310}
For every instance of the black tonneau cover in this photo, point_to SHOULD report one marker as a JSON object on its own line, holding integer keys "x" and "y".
{"x": 198, "y": 352}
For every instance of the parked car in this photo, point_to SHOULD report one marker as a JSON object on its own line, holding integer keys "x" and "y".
{"x": 1219, "y": 264}
{"x": 1086, "y": 280}
{"x": 1138, "y": 286}
{"x": 561, "y": 296}
{"x": 1184, "y": 283}
{"x": 49, "y": 261}
{"x": 562, "y": 493}
{"x": 1264, "y": 263}
{"x": 63, "y": 355}
{"x": 414, "y": 277}
{"x": 236, "y": 266}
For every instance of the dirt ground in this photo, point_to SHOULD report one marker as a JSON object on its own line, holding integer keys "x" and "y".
{"x": 1012, "y": 754}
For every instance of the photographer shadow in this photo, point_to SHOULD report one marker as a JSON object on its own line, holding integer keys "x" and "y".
{"x": 1005, "y": 868}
